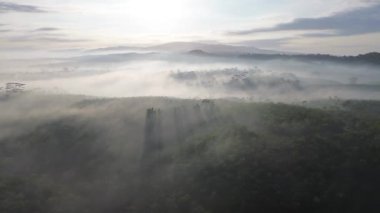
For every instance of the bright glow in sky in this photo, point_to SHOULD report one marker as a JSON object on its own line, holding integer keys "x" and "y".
{"x": 277, "y": 24}
{"x": 160, "y": 15}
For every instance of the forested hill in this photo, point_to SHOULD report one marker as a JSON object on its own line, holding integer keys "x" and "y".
{"x": 372, "y": 58}
{"x": 161, "y": 155}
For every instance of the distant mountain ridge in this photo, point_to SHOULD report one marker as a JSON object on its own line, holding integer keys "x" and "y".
{"x": 117, "y": 57}
{"x": 223, "y": 50}
{"x": 370, "y": 58}
{"x": 184, "y": 47}
{"x": 211, "y": 48}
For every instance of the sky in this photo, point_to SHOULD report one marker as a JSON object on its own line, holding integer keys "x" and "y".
{"x": 341, "y": 27}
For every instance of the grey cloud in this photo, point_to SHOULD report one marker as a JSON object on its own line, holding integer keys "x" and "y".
{"x": 353, "y": 22}
{"x": 6, "y": 7}
{"x": 45, "y": 37}
{"x": 2, "y": 30}
{"x": 46, "y": 29}
{"x": 60, "y": 40}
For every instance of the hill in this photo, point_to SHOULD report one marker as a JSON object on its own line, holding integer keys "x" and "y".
{"x": 369, "y": 58}
{"x": 77, "y": 154}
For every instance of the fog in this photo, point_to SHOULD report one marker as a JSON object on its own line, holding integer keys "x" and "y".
{"x": 160, "y": 132}
{"x": 97, "y": 151}
{"x": 171, "y": 106}
{"x": 131, "y": 74}
{"x": 66, "y": 153}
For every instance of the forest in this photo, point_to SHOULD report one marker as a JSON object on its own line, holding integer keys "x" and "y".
{"x": 372, "y": 58}
{"x": 189, "y": 106}
{"x": 155, "y": 154}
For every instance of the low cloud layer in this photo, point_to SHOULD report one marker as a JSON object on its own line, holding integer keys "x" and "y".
{"x": 189, "y": 76}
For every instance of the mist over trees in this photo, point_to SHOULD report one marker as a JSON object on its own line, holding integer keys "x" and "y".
{"x": 278, "y": 77}
{"x": 189, "y": 106}
{"x": 199, "y": 133}
{"x": 80, "y": 154}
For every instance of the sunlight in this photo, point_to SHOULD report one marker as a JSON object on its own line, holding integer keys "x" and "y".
{"x": 158, "y": 16}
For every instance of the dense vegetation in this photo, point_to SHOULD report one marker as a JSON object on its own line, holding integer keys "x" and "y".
{"x": 372, "y": 58}
{"x": 198, "y": 156}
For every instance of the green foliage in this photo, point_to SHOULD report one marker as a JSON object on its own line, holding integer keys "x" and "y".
{"x": 246, "y": 157}
{"x": 19, "y": 195}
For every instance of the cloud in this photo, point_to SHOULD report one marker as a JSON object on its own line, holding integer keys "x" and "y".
{"x": 59, "y": 40}
{"x": 6, "y": 7}
{"x": 45, "y": 37}
{"x": 2, "y": 30}
{"x": 46, "y": 29}
{"x": 352, "y": 22}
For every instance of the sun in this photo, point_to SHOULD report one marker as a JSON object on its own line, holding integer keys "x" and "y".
{"x": 154, "y": 15}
